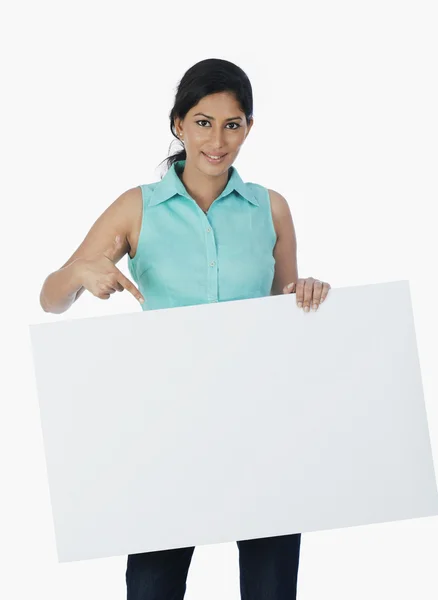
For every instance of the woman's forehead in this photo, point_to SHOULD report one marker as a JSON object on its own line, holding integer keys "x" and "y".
{"x": 218, "y": 105}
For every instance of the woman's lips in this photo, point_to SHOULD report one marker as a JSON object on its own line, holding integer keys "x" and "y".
{"x": 214, "y": 161}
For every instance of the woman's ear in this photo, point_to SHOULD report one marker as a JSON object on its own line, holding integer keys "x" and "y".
{"x": 251, "y": 123}
{"x": 177, "y": 123}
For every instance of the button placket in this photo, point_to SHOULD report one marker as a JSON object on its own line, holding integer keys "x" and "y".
{"x": 212, "y": 271}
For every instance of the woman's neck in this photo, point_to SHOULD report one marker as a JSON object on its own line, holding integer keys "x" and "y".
{"x": 204, "y": 189}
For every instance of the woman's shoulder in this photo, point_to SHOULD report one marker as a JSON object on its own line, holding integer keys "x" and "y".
{"x": 279, "y": 209}
{"x": 277, "y": 200}
{"x": 131, "y": 199}
{"x": 279, "y": 203}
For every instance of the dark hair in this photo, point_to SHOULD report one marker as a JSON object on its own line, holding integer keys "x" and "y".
{"x": 206, "y": 77}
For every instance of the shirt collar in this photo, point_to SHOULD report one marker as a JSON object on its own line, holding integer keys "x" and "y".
{"x": 171, "y": 184}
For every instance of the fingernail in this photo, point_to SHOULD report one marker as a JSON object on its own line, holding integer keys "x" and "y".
{"x": 315, "y": 307}
{"x": 290, "y": 286}
{"x": 141, "y": 300}
{"x": 306, "y": 309}
{"x": 300, "y": 304}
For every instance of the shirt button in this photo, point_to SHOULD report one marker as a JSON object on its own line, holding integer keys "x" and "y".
{"x": 212, "y": 263}
{"x": 208, "y": 229}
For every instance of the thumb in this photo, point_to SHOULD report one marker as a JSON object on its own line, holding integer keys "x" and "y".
{"x": 113, "y": 250}
{"x": 290, "y": 288}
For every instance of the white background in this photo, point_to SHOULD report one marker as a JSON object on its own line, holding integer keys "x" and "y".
{"x": 345, "y": 97}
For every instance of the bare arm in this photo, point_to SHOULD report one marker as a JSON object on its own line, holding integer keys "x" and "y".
{"x": 62, "y": 287}
{"x": 285, "y": 251}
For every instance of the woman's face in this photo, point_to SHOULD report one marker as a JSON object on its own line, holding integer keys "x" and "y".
{"x": 216, "y": 126}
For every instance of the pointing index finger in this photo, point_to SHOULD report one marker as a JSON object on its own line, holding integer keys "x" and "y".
{"x": 130, "y": 287}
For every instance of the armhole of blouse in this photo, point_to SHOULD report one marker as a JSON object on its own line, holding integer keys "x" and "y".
{"x": 132, "y": 262}
{"x": 271, "y": 218}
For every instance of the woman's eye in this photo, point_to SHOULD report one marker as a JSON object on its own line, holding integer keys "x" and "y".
{"x": 237, "y": 124}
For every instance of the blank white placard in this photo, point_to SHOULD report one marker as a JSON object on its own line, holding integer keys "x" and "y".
{"x": 230, "y": 421}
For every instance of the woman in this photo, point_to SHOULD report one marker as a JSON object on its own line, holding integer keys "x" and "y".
{"x": 199, "y": 235}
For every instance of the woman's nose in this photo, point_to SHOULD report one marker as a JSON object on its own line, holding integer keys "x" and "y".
{"x": 217, "y": 138}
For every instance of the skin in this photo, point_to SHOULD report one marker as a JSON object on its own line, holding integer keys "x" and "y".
{"x": 223, "y": 131}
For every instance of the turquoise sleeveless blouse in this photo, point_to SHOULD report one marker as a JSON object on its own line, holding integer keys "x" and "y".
{"x": 186, "y": 257}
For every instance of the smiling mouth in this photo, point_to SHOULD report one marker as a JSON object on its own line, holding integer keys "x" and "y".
{"x": 214, "y": 157}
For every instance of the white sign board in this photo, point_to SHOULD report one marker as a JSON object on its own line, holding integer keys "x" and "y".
{"x": 230, "y": 421}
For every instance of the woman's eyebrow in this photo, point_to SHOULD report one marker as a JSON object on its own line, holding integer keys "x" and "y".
{"x": 212, "y": 118}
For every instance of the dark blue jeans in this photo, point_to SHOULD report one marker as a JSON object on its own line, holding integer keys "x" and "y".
{"x": 268, "y": 570}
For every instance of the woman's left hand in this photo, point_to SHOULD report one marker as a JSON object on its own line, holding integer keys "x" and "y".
{"x": 309, "y": 291}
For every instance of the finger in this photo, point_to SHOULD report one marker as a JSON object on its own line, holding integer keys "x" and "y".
{"x": 290, "y": 288}
{"x": 112, "y": 251}
{"x": 325, "y": 290}
{"x": 130, "y": 287}
{"x": 111, "y": 281}
{"x": 317, "y": 291}
{"x": 105, "y": 290}
{"x": 300, "y": 292}
{"x": 308, "y": 289}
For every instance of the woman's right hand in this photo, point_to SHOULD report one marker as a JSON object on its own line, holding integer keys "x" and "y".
{"x": 101, "y": 277}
